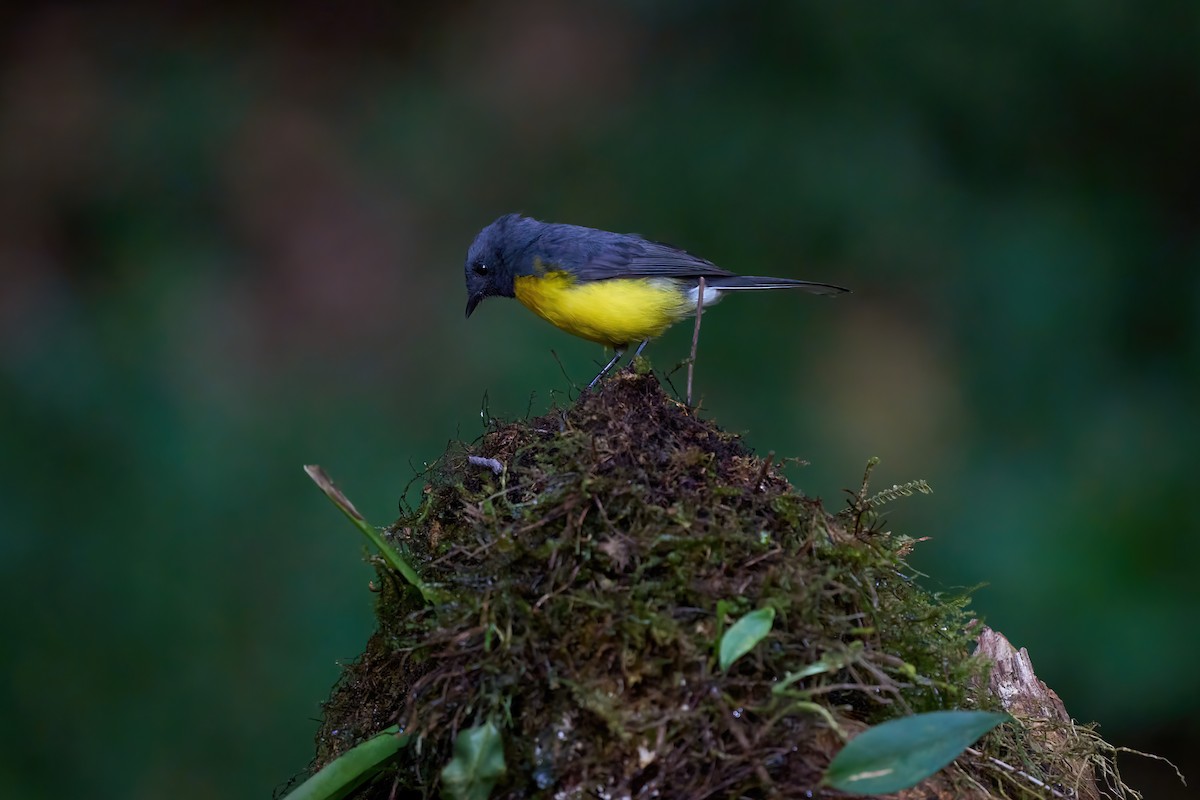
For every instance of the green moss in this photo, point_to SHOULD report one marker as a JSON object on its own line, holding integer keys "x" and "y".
{"x": 584, "y": 583}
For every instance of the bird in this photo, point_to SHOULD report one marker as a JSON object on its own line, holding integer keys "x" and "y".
{"x": 616, "y": 289}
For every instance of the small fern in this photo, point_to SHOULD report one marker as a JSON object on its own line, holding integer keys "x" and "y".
{"x": 861, "y": 510}
{"x": 897, "y": 491}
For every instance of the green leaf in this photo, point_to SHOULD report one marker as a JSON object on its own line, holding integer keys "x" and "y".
{"x": 342, "y": 775}
{"x": 903, "y": 752}
{"x": 477, "y": 764}
{"x": 743, "y": 635}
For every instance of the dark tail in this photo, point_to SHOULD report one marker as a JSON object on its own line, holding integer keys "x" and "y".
{"x": 735, "y": 283}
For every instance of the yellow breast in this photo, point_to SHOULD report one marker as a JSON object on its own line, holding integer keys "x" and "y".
{"x": 616, "y": 312}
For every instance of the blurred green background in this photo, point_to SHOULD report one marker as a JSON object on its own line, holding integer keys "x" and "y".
{"x": 231, "y": 242}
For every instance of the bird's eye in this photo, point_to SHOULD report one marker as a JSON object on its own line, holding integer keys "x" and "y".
{"x": 481, "y": 268}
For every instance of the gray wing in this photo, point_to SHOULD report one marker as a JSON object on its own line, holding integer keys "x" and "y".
{"x": 628, "y": 256}
{"x": 599, "y": 255}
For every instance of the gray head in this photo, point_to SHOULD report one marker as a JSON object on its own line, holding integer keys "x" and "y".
{"x": 497, "y": 255}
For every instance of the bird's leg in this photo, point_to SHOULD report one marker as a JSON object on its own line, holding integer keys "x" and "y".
{"x": 608, "y": 366}
{"x": 638, "y": 352}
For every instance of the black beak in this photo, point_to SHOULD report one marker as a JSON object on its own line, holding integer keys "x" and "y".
{"x": 472, "y": 301}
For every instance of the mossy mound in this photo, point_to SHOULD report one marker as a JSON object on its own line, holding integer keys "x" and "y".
{"x": 588, "y": 583}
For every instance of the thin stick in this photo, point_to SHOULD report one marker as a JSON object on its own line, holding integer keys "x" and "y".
{"x": 695, "y": 338}
{"x": 1014, "y": 771}
{"x": 762, "y": 473}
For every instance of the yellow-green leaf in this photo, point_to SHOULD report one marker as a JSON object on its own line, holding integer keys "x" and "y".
{"x": 743, "y": 635}
{"x": 477, "y": 764}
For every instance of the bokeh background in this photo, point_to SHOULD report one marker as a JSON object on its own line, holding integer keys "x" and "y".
{"x": 231, "y": 242}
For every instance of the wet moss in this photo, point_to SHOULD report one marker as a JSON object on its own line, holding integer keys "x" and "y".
{"x": 588, "y": 583}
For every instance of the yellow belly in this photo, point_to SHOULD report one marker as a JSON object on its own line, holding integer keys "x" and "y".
{"x": 616, "y": 312}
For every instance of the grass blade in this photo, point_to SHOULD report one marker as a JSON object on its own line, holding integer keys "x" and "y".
{"x": 393, "y": 558}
